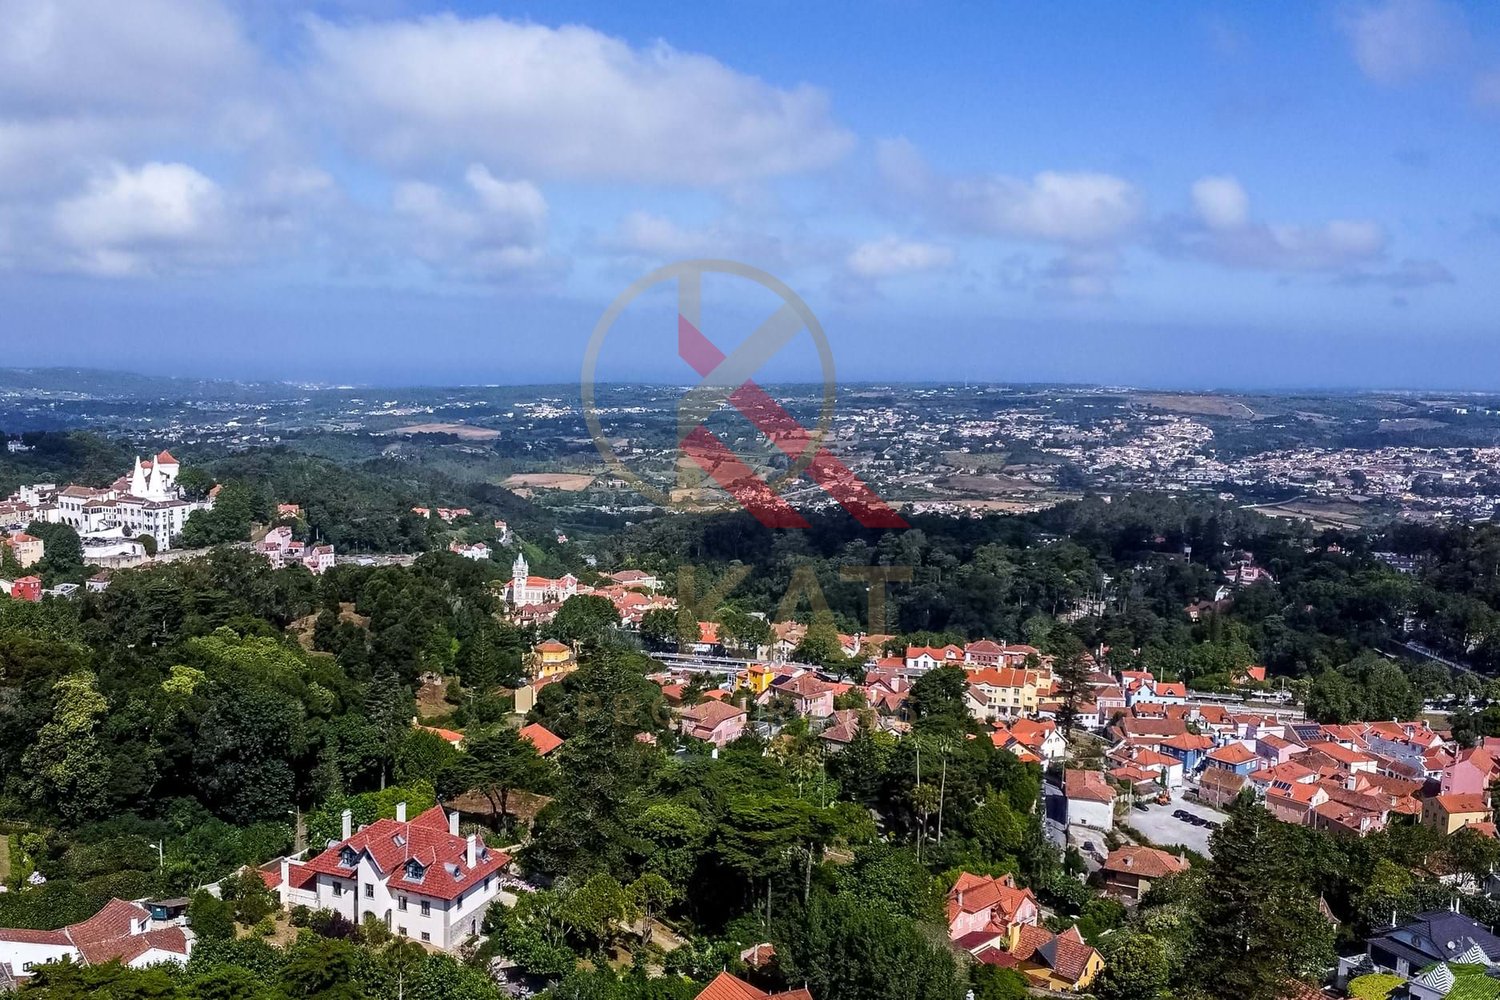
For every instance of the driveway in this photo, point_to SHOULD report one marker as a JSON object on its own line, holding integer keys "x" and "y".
{"x": 1159, "y": 826}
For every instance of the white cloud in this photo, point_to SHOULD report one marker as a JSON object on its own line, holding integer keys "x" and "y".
{"x": 496, "y": 228}
{"x": 890, "y": 256}
{"x": 133, "y": 221}
{"x": 1061, "y": 207}
{"x": 1074, "y": 208}
{"x": 1398, "y": 40}
{"x": 1224, "y": 233}
{"x": 1221, "y": 202}
{"x": 562, "y": 102}
{"x": 58, "y": 56}
{"x": 656, "y": 237}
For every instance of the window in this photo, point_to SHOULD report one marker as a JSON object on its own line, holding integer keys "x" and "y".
{"x": 401, "y": 903}
{"x": 426, "y": 908}
{"x": 486, "y": 884}
{"x": 338, "y": 888}
{"x": 369, "y": 890}
{"x": 426, "y": 936}
{"x": 402, "y": 932}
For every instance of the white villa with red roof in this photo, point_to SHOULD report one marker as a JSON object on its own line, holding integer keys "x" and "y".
{"x": 524, "y": 590}
{"x": 122, "y": 931}
{"x": 420, "y": 878}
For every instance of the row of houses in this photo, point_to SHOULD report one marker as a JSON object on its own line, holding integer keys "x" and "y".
{"x": 1346, "y": 778}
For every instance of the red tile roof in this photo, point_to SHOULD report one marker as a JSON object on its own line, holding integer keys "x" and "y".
{"x": 1087, "y": 785}
{"x": 1462, "y": 803}
{"x": 1233, "y": 754}
{"x": 1146, "y": 862}
{"x": 112, "y": 934}
{"x": 977, "y": 893}
{"x": 425, "y": 840}
{"x": 727, "y": 987}
{"x": 544, "y": 739}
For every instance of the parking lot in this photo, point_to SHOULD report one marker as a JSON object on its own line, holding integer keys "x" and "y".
{"x": 1164, "y": 829}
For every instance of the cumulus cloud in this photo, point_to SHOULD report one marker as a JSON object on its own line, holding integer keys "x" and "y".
{"x": 134, "y": 221}
{"x": 1071, "y": 208}
{"x": 1221, "y": 202}
{"x": 891, "y": 256}
{"x": 1398, "y": 40}
{"x": 495, "y": 228}
{"x": 563, "y": 102}
{"x": 1222, "y": 231}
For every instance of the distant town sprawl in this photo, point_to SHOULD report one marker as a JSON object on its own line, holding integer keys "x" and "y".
{"x": 1341, "y": 458}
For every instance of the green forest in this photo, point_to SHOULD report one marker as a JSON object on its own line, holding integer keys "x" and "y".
{"x": 210, "y": 705}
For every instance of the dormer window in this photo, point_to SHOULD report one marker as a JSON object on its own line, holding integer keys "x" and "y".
{"x": 348, "y": 858}
{"x": 414, "y": 871}
{"x": 399, "y": 840}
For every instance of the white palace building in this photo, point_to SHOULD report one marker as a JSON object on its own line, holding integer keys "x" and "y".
{"x": 146, "y": 502}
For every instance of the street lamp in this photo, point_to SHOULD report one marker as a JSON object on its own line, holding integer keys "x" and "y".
{"x": 161, "y": 856}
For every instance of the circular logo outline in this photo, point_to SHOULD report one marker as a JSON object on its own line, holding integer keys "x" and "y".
{"x": 700, "y": 267}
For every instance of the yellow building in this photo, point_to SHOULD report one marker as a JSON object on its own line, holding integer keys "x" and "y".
{"x": 755, "y": 678}
{"x": 1447, "y": 813}
{"x": 552, "y": 659}
{"x": 28, "y": 549}
{"x": 1062, "y": 963}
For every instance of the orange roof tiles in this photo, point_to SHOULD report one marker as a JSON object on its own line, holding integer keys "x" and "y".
{"x": 1147, "y": 862}
{"x": 544, "y": 739}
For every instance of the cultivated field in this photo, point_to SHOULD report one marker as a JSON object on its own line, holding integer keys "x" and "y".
{"x": 569, "y": 481}
{"x": 464, "y": 431}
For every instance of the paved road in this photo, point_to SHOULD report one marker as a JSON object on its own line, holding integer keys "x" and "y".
{"x": 1165, "y": 830}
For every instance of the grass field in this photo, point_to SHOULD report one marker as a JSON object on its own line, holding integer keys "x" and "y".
{"x": 1195, "y": 403}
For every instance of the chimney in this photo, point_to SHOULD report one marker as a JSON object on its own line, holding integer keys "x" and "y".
{"x": 347, "y": 818}
{"x": 472, "y": 855}
{"x": 400, "y": 812}
{"x": 453, "y": 823}
{"x": 285, "y": 888}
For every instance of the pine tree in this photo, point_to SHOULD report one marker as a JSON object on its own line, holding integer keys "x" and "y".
{"x": 1255, "y": 920}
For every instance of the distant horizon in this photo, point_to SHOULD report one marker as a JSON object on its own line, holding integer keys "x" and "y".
{"x": 322, "y": 385}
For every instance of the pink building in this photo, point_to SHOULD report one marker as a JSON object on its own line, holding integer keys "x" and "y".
{"x": 1469, "y": 774}
{"x": 811, "y": 696}
{"x": 981, "y": 909}
{"x": 714, "y": 722}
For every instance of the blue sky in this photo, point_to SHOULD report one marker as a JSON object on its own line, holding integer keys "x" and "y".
{"x": 1184, "y": 194}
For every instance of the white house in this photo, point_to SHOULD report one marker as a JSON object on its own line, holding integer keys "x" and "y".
{"x": 122, "y": 931}
{"x": 420, "y": 878}
{"x": 476, "y": 551}
{"x": 1091, "y": 801}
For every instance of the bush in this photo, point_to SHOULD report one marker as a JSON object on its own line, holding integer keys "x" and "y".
{"x": 210, "y": 917}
